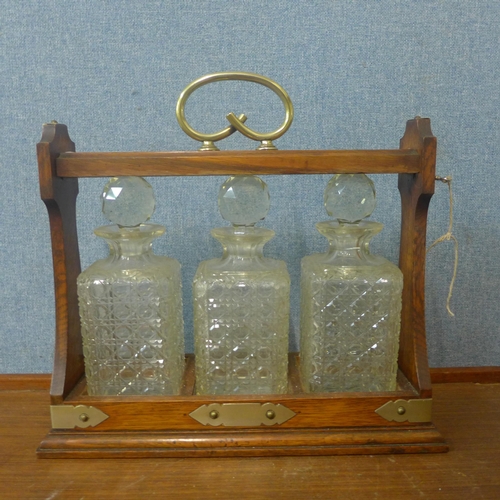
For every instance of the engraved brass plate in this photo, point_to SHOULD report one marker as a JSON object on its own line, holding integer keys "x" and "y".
{"x": 413, "y": 410}
{"x": 242, "y": 414}
{"x": 69, "y": 417}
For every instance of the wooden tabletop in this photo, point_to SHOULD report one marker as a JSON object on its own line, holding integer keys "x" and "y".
{"x": 468, "y": 415}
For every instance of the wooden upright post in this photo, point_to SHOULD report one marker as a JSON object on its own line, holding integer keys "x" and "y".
{"x": 416, "y": 191}
{"x": 59, "y": 195}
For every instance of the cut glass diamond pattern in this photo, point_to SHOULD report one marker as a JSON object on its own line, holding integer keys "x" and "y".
{"x": 356, "y": 358}
{"x": 242, "y": 357}
{"x": 132, "y": 335}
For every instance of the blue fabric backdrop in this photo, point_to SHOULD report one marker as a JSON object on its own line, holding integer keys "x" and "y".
{"x": 356, "y": 71}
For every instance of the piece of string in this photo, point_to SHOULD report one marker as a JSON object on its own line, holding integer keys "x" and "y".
{"x": 448, "y": 236}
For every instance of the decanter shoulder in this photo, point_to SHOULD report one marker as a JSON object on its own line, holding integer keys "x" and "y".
{"x": 152, "y": 267}
{"x": 321, "y": 264}
{"x": 230, "y": 266}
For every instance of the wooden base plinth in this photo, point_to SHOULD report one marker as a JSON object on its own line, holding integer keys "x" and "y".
{"x": 418, "y": 439}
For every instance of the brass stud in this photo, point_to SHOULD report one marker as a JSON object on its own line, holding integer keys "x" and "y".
{"x": 213, "y": 414}
{"x": 84, "y": 417}
{"x": 270, "y": 414}
{"x": 401, "y": 410}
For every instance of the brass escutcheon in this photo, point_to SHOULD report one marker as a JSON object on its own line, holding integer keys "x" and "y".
{"x": 236, "y": 122}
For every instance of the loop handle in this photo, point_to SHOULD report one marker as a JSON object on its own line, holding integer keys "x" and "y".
{"x": 236, "y": 122}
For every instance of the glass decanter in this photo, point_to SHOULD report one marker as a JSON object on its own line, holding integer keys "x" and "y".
{"x": 130, "y": 303}
{"x": 241, "y": 301}
{"x": 350, "y": 299}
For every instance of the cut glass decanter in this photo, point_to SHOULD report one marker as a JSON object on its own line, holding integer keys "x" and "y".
{"x": 130, "y": 303}
{"x": 350, "y": 299}
{"x": 241, "y": 301}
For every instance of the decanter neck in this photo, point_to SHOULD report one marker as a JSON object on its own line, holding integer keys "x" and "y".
{"x": 349, "y": 244}
{"x": 130, "y": 242}
{"x": 242, "y": 243}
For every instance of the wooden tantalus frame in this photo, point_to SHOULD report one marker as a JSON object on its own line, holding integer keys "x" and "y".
{"x": 322, "y": 424}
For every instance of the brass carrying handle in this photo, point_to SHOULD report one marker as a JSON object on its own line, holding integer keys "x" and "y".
{"x": 237, "y": 122}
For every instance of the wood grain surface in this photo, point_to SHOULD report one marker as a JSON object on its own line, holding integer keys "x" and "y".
{"x": 480, "y": 374}
{"x": 416, "y": 192}
{"x": 59, "y": 196}
{"x": 236, "y": 162}
{"x": 467, "y": 414}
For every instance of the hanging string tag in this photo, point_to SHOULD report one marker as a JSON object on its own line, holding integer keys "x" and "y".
{"x": 448, "y": 236}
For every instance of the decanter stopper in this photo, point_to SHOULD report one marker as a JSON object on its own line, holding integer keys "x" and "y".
{"x": 349, "y": 198}
{"x": 128, "y": 201}
{"x": 244, "y": 200}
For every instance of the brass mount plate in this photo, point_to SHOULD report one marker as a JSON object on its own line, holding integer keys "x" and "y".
{"x": 412, "y": 410}
{"x": 69, "y": 416}
{"x": 242, "y": 414}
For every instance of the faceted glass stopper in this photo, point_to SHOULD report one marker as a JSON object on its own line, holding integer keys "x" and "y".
{"x": 350, "y": 197}
{"x": 128, "y": 201}
{"x": 244, "y": 200}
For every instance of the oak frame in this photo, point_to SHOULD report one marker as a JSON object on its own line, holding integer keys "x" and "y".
{"x": 324, "y": 424}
